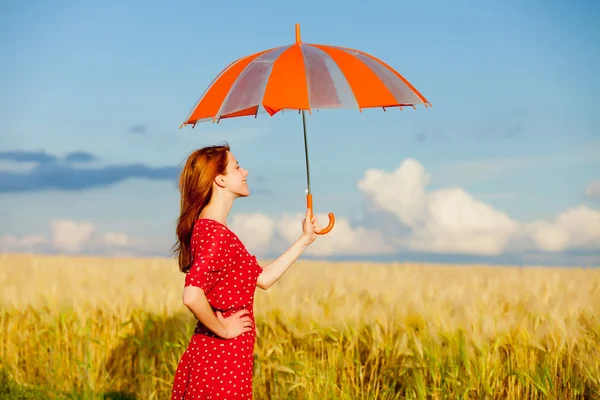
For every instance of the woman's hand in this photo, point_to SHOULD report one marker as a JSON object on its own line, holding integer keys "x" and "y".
{"x": 310, "y": 227}
{"x": 236, "y": 324}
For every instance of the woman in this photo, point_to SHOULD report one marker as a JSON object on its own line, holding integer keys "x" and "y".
{"x": 221, "y": 277}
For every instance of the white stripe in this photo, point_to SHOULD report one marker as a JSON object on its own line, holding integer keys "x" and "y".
{"x": 267, "y": 58}
{"x": 341, "y": 85}
{"x": 304, "y": 59}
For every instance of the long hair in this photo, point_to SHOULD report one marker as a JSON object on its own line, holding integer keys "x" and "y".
{"x": 195, "y": 186}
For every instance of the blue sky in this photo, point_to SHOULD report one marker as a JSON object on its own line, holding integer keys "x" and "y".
{"x": 513, "y": 124}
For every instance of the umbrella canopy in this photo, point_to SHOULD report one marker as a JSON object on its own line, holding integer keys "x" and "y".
{"x": 303, "y": 76}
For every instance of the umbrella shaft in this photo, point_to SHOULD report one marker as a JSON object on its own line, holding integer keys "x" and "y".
{"x": 306, "y": 152}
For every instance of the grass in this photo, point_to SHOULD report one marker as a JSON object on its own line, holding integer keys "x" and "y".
{"x": 94, "y": 328}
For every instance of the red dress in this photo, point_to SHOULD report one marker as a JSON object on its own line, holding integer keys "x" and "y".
{"x": 213, "y": 367}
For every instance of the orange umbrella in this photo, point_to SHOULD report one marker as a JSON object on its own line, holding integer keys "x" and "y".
{"x": 303, "y": 76}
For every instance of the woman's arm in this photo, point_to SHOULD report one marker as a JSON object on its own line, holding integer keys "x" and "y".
{"x": 275, "y": 269}
{"x": 227, "y": 328}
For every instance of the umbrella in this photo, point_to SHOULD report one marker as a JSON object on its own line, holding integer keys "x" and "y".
{"x": 304, "y": 77}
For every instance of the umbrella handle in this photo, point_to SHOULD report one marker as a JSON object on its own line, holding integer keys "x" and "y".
{"x": 331, "y": 216}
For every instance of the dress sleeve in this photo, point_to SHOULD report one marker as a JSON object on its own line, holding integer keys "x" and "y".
{"x": 208, "y": 259}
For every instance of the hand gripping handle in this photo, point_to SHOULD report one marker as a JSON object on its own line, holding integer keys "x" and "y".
{"x": 331, "y": 216}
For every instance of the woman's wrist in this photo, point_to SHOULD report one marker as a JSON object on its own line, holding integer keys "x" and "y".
{"x": 224, "y": 333}
{"x": 304, "y": 240}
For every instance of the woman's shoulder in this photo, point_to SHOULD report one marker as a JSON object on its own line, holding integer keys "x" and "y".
{"x": 211, "y": 229}
{"x": 209, "y": 233}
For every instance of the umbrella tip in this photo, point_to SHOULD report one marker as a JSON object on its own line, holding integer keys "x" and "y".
{"x": 298, "y": 39}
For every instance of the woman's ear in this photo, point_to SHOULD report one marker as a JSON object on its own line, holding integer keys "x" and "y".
{"x": 220, "y": 181}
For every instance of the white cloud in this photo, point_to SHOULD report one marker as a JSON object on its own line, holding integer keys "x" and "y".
{"x": 451, "y": 220}
{"x": 592, "y": 191}
{"x": 401, "y": 193}
{"x": 456, "y": 222}
{"x": 576, "y": 228}
{"x": 73, "y": 237}
{"x": 255, "y": 230}
{"x": 444, "y": 220}
{"x": 115, "y": 239}
{"x": 23, "y": 244}
{"x": 342, "y": 239}
{"x": 70, "y": 236}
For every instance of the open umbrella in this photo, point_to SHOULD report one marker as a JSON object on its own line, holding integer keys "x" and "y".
{"x": 303, "y": 77}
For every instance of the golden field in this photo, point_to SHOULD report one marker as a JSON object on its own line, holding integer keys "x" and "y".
{"x": 93, "y": 328}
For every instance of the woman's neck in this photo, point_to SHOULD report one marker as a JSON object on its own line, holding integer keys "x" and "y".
{"x": 218, "y": 208}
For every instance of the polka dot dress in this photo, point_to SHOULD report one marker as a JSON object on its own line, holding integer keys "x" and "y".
{"x": 212, "y": 367}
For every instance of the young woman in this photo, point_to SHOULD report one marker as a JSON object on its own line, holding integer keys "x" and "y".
{"x": 221, "y": 278}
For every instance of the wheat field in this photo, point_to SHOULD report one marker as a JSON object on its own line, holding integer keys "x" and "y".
{"x": 94, "y": 328}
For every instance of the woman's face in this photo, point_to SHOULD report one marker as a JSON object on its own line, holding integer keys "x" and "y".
{"x": 235, "y": 177}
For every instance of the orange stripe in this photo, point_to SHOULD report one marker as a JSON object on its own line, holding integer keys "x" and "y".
{"x": 286, "y": 87}
{"x": 403, "y": 79}
{"x": 209, "y": 105}
{"x": 368, "y": 89}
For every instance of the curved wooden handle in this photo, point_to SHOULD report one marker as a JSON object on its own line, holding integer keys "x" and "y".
{"x": 329, "y": 227}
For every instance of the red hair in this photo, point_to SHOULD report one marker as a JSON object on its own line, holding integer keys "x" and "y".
{"x": 195, "y": 186}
